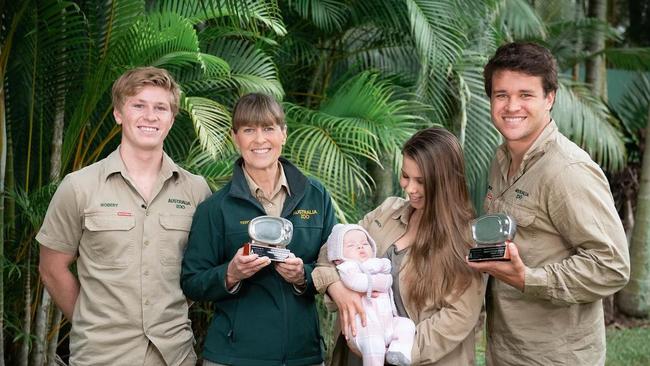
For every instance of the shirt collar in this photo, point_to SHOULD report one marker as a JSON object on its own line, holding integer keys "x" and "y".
{"x": 115, "y": 164}
{"x": 279, "y": 184}
{"x": 404, "y": 212}
{"x": 536, "y": 150}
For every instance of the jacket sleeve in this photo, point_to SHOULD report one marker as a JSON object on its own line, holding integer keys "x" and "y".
{"x": 441, "y": 333}
{"x": 203, "y": 272}
{"x": 582, "y": 209}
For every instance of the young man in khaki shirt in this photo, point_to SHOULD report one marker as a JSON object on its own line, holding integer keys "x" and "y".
{"x": 544, "y": 307}
{"x": 125, "y": 220}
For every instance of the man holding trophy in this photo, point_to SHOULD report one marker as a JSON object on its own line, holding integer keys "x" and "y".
{"x": 544, "y": 295}
{"x": 268, "y": 213}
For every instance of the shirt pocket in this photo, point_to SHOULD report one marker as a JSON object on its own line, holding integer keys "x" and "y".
{"x": 173, "y": 240}
{"x": 109, "y": 238}
{"x": 526, "y": 236}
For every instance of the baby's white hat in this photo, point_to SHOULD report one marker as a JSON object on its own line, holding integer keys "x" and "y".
{"x": 335, "y": 241}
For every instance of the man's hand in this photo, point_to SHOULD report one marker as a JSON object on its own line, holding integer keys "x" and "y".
{"x": 292, "y": 270}
{"x": 512, "y": 272}
{"x": 349, "y": 304}
{"x": 243, "y": 266}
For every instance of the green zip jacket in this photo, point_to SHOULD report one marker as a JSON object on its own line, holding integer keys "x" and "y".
{"x": 265, "y": 322}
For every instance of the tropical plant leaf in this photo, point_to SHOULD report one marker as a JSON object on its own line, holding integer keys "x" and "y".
{"x": 588, "y": 122}
{"x": 211, "y": 123}
{"x": 327, "y": 15}
{"x": 518, "y": 20}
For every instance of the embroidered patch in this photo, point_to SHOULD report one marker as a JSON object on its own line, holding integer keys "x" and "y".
{"x": 520, "y": 194}
{"x": 179, "y": 203}
{"x": 124, "y": 213}
{"x": 305, "y": 214}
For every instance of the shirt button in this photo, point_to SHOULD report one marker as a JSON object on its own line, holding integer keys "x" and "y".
{"x": 146, "y": 302}
{"x": 146, "y": 273}
{"x": 146, "y": 243}
{"x": 146, "y": 213}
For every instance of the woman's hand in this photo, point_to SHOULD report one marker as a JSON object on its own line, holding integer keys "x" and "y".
{"x": 349, "y": 304}
{"x": 243, "y": 266}
{"x": 292, "y": 270}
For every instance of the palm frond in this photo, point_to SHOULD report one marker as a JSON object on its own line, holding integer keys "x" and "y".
{"x": 518, "y": 19}
{"x": 634, "y": 105}
{"x": 633, "y": 58}
{"x": 327, "y": 15}
{"x": 478, "y": 135}
{"x": 251, "y": 69}
{"x": 244, "y": 14}
{"x": 211, "y": 123}
{"x": 216, "y": 172}
{"x": 587, "y": 121}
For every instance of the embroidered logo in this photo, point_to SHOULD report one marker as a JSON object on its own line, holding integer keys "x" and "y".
{"x": 179, "y": 203}
{"x": 108, "y": 204}
{"x": 520, "y": 194}
{"x": 124, "y": 213}
{"x": 244, "y": 222}
{"x": 305, "y": 214}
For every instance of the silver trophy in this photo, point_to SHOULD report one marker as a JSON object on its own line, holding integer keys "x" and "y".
{"x": 490, "y": 232}
{"x": 269, "y": 237}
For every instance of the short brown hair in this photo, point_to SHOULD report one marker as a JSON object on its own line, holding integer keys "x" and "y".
{"x": 134, "y": 80}
{"x": 528, "y": 58}
{"x": 257, "y": 109}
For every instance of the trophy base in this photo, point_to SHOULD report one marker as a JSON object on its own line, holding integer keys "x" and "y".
{"x": 497, "y": 252}
{"x": 273, "y": 253}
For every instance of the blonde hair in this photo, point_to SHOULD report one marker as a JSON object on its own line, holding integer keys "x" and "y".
{"x": 444, "y": 234}
{"x": 134, "y": 80}
{"x": 257, "y": 109}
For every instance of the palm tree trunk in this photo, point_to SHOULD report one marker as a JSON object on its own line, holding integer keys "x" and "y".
{"x": 596, "y": 76}
{"x": 54, "y": 339}
{"x": 383, "y": 177}
{"x": 3, "y": 166}
{"x": 633, "y": 299}
{"x": 23, "y": 357}
{"x": 595, "y": 67}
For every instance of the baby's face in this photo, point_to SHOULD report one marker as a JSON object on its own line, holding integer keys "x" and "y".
{"x": 356, "y": 246}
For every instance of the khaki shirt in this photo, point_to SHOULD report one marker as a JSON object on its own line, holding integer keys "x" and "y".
{"x": 571, "y": 239}
{"x": 129, "y": 260}
{"x": 273, "y": 204}
{"x": 444, "y": 336}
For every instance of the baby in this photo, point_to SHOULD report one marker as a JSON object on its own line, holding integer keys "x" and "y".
{"x": 354, "y": 252}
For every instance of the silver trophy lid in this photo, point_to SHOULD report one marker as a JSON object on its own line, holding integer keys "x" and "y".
{"x": 271, "y": 230}
{"x": 493, "y": 228}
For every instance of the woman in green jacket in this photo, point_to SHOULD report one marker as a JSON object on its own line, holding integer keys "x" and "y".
{"x": 263, "y": 314}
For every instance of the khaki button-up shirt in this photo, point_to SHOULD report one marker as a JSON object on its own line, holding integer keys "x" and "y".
{"x": 444, "y": 336}
{"x": 274, "y": 203}
{"x": 129, "y": 260}
{"x": 571, "y": 239}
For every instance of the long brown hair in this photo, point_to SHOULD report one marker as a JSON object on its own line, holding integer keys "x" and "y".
{"x": 436, "y": 266}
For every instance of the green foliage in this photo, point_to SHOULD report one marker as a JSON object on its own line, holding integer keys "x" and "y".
{"x": 628, "y": 347}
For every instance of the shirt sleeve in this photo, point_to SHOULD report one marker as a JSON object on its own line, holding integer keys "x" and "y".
{"x": 441, "y": 333}
{"x": 320, "y": 274}
{"x": 582, "y": 209}
{"x": 63, "y": 223}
